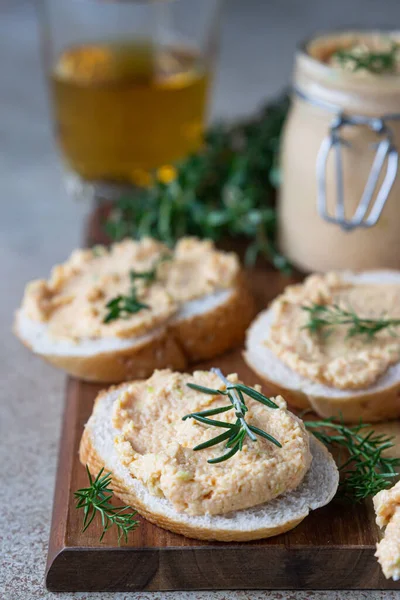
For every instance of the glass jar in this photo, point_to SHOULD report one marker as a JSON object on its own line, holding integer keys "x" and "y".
{"x": 337, "y": 121}
{"x": 129, "y": 83}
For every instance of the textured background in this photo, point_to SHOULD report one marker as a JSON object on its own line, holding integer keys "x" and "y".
{"x": 39, "y": 226}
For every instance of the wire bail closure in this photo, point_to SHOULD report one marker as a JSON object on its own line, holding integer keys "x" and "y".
{"x": 385, "y": 151}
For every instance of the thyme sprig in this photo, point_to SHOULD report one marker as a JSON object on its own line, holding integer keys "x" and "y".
{"x": 365, "y": 469}
{"x": 236, "y": 432}
{"x": 226, "y": 190}
{"x": 121, "y": 307}
{"x": 376, "y": 62}
{"x": 95, "y": 500}
{"x": 322, "y": 316}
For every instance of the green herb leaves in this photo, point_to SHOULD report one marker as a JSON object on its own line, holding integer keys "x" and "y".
{"x": 236, "y": 432}
{"x": 364, "y": 468}
{"x": 360, "y": 452}
{"x": 376, "y": 62}
{"x": 121, "y": 307}
{"x": 95, "y": 499}
{"x": 322, "y": 316}
{"x": 225, "y": 190}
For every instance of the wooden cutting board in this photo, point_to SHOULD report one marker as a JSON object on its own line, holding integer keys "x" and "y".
{"x": 333, "y": 548}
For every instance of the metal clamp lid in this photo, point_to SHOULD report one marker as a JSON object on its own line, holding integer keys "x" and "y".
{"x": 385, "y": 151}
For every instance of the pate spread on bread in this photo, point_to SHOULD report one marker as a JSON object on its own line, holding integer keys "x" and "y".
{"x": 155, "y": 444}
{"x": 119, "y": 313}
{"x": 137, "y": 432}
{"x": 336, "y": 374}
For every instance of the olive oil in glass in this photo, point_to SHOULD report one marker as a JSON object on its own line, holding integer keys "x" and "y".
{"x": 122, "y": 109}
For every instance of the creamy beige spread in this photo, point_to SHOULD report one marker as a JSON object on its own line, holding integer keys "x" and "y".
{"x": 306, "y": 239}
{"x": 73, "y": 301}
{"x": 354, "y": 51}
{"x": 157, "y": 446}
{"x": 331, "y": 357}
{"x": 387, "y": 508}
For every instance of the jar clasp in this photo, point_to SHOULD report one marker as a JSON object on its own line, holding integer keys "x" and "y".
{"x": 368, "y": 212}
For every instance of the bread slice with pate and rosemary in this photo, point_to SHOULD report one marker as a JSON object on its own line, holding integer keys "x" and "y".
{"x": 205, "y": 456}
{"x": 117, "y": 314}
{"x": 332, "y": 344}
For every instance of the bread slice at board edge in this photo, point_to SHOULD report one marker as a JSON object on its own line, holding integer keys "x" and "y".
{"x": 203, "y": 328}
{"x": 378, "y": 402}
{"x": 266, "y": 520}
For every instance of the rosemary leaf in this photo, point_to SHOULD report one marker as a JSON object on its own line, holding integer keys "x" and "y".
{"x": 265, "y": 435}
{"x": 209, "y": 413}
{"x": 242, "y": 401}
{"x": 224, "y": 457}
{"x": 206, "y": 421}
{"x": 323, "y": 316}
{"x": 237, "y": 438}
{"x": 121, "y": 307}
{"x": 214, "y": 441}
{"x": 239, "y": 430}
{"x": 255, "y": 395}
{"x": 365, "y": 469}
{"x": 95, "y": 500}
{"x": 205, "y": 390}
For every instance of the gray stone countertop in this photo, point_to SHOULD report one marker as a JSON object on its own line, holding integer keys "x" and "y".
{"x": 40, "y": 225}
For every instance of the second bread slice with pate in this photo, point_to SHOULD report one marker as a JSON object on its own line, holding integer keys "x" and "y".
{"x": 208, "y": 316}
{"x": 376, "y": 402}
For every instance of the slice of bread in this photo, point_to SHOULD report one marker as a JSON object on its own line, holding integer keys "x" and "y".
{"x": 202, "y": 329}
{"x": 281, "y": 514}
{"x": 379, "y": 402}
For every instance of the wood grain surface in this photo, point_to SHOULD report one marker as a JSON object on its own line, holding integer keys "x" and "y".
{"x": 333, "y": 548}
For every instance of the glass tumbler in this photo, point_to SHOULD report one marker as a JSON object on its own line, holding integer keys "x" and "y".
{"x": 129, "y": 82}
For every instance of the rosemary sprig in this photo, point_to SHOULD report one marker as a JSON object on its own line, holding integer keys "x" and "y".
{"x": 226, "y": 190}
{"x": 364, "y": 468}
{"x": 377, "y": 62}
{"x": 322, "y": 316}
{"x": 95, "y": 499}
{"x": 123, "y": 306}
{"x": 236, "y": 432}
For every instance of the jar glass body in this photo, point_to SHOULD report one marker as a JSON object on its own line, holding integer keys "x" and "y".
{"x": 310, "y": 242}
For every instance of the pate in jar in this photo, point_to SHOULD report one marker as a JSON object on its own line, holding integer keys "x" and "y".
{"x": 339, "y": 203}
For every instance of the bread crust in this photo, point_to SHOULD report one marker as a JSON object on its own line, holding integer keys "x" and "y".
{"x": 137, "y": 362}
{"x": 89, "y": 456}
{"x": 178, "y": 344}
{"x": 209, "y": 334}
{"x": 370, "y": 406}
